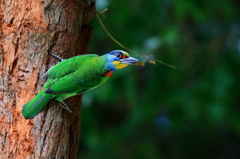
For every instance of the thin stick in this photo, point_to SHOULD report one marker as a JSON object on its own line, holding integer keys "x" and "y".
{"x": 124, "y": 47}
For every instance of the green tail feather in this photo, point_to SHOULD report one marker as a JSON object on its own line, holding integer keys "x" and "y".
{"x": 32, "y": 108}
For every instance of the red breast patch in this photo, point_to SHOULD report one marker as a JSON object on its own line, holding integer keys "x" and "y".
{"x": 109, "y": 73}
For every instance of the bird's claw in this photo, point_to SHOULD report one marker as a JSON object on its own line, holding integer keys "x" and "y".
{"x": 64, "y": 106}
{"x": 57, "y": 57}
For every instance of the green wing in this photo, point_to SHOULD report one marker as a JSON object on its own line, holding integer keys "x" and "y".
{"x": 76, "y": 74}
{"x": 76, "y": 82}
{"x": 68, "y": 66}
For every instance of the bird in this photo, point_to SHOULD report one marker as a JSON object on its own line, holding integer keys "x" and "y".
{"x": 74, "y": 76}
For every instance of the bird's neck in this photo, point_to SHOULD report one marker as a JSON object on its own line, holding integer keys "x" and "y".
{"x": 104, "y": 66}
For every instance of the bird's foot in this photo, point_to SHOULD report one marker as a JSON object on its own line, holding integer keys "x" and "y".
{"x": 57, "y": 57}
{"x": 64, "y": 106}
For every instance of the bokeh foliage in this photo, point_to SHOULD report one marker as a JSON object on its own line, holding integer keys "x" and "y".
{"x": 153, "y": 111}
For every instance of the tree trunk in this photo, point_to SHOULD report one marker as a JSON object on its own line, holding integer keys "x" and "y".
{"x": 29, "y": 31}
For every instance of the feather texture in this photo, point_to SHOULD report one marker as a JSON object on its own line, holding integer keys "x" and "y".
{"x": 73, "y": 76}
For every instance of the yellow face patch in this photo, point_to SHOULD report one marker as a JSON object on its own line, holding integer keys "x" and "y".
{"x": 125, "y": 55}
{"x": 119, "y": 65}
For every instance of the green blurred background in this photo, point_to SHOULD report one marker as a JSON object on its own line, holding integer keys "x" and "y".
{"x": 156, "y": 112}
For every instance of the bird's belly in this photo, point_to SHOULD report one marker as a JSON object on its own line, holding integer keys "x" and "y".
{"x": 62, "y": 97}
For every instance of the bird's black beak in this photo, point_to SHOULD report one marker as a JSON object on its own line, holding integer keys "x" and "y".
{"x": 129, "y": 60}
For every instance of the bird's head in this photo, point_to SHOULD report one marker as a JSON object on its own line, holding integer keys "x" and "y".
{"x": 118, "y": 59}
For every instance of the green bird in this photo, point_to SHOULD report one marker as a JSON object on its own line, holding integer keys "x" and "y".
{"x": 74, "y": 76}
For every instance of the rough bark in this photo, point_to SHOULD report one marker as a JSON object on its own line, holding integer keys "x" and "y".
{"x": 29, "y": 31}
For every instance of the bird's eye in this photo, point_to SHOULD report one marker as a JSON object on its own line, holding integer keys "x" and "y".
{"x": 119, "y": 55}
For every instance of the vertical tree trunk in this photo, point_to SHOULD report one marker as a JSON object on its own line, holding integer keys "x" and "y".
{"x": 29, "y": 31}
